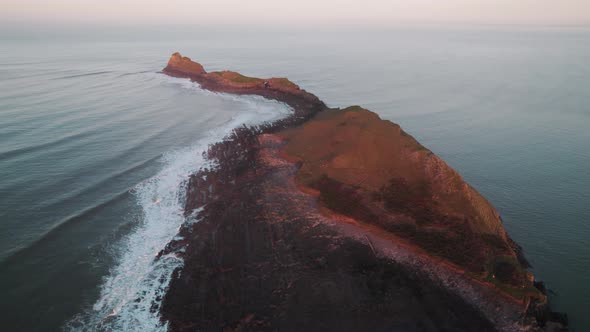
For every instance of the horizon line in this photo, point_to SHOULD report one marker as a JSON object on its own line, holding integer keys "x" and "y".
{"x": 335, "y": 24}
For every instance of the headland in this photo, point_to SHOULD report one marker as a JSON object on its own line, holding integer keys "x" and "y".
{"x": 334, "y": 219}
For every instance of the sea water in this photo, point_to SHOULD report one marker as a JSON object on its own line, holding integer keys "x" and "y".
{"x": 96, "y": 145}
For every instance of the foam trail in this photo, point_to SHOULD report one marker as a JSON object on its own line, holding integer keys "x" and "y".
{"x": 132, "y": 292}
{"x": 275, "y": 107}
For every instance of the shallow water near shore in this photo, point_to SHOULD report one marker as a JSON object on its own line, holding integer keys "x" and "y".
{"x": 96, "y": 145}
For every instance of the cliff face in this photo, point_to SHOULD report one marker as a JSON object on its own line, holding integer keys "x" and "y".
{"x": 336, "y": 219}
{"x": 184, "y": 65}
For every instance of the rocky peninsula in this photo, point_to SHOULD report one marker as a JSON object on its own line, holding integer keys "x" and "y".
{"x": 334, "y": 219}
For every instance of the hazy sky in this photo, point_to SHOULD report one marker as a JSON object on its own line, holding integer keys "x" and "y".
{"x": 304, "y": 11}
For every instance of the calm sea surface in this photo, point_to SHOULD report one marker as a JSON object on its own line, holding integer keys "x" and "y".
{"x": 95, "y": 145}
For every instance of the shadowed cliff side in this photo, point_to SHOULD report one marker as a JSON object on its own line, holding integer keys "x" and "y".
{"x": 336, "y": 219}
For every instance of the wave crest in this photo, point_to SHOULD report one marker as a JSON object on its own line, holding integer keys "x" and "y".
{"x": 131, "y": 294}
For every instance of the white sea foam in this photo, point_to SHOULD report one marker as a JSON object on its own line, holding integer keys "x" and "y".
{"x": 273, "y": 108}
{"x": 132, "y": 292}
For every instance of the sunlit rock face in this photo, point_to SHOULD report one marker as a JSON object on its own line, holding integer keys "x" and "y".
{"x": 184, "y": 65}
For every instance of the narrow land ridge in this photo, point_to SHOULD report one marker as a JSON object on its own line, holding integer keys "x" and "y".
{"x": 335, "y": 219}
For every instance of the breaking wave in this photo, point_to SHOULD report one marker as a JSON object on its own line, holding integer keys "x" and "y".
{"x": 131, "y": 294}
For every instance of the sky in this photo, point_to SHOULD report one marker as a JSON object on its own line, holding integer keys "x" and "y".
{"x": 382, "y": 12}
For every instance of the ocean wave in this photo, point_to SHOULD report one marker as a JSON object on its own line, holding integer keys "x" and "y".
{"x": 84, "y": 74}
{"x": 43, "y": 146}
{"x": 16, "y": 253}
{"x": 67, "y": 198}
{"x": 135, "y": 73}
{"x": 131, "y": 294}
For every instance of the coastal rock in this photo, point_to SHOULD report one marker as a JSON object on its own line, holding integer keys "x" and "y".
{"x": 280, "y": 89}
{"x": 184, "y": 65}
{"x": 337, "y": 220}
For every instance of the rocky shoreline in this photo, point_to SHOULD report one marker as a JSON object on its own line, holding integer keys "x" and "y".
{"x": 338, "y": 220}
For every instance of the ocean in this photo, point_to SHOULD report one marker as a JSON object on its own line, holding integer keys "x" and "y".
{"x": 96, "y": 145}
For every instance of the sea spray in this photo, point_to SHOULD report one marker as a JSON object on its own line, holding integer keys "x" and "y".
{"x": 132, "y": 292}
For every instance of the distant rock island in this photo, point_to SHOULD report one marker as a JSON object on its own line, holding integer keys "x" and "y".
{"x": 337, "y": 220}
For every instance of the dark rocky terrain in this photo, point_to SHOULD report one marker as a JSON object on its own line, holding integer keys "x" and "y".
{"x": 338, "y": 220}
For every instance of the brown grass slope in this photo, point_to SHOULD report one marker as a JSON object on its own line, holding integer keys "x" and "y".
{"x": 371, "y": 170}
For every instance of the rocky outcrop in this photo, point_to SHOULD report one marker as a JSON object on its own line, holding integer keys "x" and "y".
{"x": 338, "y": 220}
{"x": 280, "y": 89}
{"x": 184, "y": 65}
